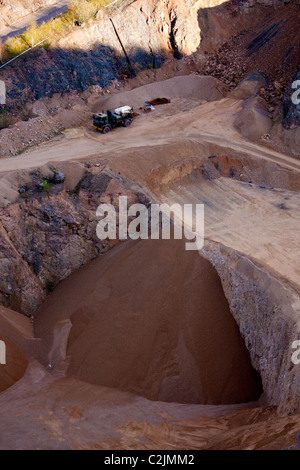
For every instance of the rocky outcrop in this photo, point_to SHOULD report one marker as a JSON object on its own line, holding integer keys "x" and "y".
{"x": 151, "y": 32}
{"x": 147, "y": 29}
{"x": 51, "y": 232}
{"x": 173, "y": 340}
{"x": 268, "y": 323}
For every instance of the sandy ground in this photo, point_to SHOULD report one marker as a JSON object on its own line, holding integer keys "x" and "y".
{"x": 141, "y": 326}
{"x": 44, "y": 412}
{"x": 160, "y": 151}
{"x": 230, "y": 211}
{"x": 163, "y": 126}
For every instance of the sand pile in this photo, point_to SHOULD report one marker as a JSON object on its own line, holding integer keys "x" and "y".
{"x": 143, "y": 326}
{"x": 17, "y": 335}
{"x": 253, "y": 120}
{"x": 194, "y": 87}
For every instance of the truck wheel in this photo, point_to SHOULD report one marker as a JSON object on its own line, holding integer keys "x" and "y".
{"x": 127, "y": 123}
{"x": 106, "y": 130}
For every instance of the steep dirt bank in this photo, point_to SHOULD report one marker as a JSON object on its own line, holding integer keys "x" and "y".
{"x": 90, "y": 59}
{"x": 51, "y": 232}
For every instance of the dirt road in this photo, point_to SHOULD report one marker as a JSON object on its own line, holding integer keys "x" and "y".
{"x": 210, "y": 122}
{"x": 41, "y": 16}
{"x": 237, "y": 214}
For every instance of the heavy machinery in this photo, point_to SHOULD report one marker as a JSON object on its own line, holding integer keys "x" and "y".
{"x": 105, "y": 122}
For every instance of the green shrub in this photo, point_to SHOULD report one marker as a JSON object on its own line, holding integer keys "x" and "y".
{"x": 45, "y": 184}
{"x": 15, "y": 46}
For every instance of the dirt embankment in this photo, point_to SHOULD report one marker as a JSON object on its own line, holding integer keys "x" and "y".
{"x": 51, "y": 230}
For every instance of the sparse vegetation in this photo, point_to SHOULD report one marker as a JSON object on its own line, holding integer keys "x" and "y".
{"x": 78, "y": 13}
{"x": 34, "y": 35}
{"x": 4, "y": 120}
{"x": 2, "y": 51}
{"x": 31, "y": 33}
{"x": 45, "y": 184}
{"x": 81, "y": 11}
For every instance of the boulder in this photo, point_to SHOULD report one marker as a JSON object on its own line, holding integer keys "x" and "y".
{"x": 59, "y": 177}
{"x": 38, "y": 109}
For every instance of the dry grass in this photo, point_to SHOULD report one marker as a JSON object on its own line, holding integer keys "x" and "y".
{"x": 78, "y": 13}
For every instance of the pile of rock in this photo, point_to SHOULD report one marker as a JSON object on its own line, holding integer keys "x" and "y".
{"x": 227, "y": 63}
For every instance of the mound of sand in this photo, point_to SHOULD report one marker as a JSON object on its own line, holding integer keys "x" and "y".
{"x": 15, "y": 366}
{"x": 193, "y": 87}
{"x": 142, "y": 326}
{"x": 253, "y": 120}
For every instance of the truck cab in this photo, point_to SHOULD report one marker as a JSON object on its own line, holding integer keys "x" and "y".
{"x": 105, "y": 122}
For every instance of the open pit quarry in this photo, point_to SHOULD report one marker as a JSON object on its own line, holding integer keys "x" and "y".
{"x": 143, "y": 344}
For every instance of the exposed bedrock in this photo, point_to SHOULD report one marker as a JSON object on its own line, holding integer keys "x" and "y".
{"x": 267, "y": 312}
{"x": 150, "y": 31}
{"x": 51, "y": 230}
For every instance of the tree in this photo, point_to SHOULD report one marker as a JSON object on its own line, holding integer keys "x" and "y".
{"x": 81, "y": 10}
{"x": 2, "y": 51}
{"x": 31, "y": 33}
{"x": 73, "y": 9}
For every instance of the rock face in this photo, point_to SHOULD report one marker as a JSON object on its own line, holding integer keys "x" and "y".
{"x": 151, "y": 31}
{"x": 51, "y": 232}
{"x": 268, "y": 324}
